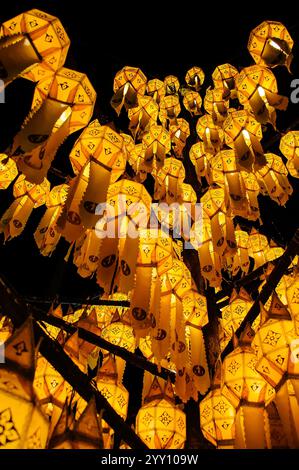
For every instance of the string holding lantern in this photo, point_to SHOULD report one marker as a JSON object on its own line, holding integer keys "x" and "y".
{"x": 144, "y": 115}
{"x": 23, "y": 423}
{"x": 62, "y": 104}
{"x": 270, "y": 44}
{"x": 8, "y": 171}
{"x": 273, "y": 179}
{"x": 46, "y": 235}
{"x": 288, "y": 146}
{"x": 243, "y": 133}
{"x": 28, "y": 196}
{"x": 159, "y": 422}
{"x": 129, "y": 83}
{"x": 249, "y": 393}
{"x": 224, "y": 78}
{"x": 195, "y": 78}
{"x": 192, "y": 102}
{"x": 275, "y": 343}
{"x": 216, "y": 105}
{"x": 171, "y": 84}
{"x": 210, "y": 133}
{"x": 157, "y": 145}
{"x": 257, "y": 91}
{"x": 34, "y": 45}
{"x": 179, "y": 133}
{"x": 156, "y": 89}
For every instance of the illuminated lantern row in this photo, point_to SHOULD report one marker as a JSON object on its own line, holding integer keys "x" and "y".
{"x": 34, "y": 44}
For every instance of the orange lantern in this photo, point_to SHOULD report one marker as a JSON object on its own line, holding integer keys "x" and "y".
{"x": 195, "y": 78}
{"x": 273, "y": 179}
{"x": 192, "y": 102}
{"x": 224, "y": 78}
{"x": 156, "y": 89}
{"x": 8, "y": 171}
{"x": 171, "y": 84}
{"x": 170, "y": 108}
{"x": 211, "y": 134}
{"x": 129, "y": 83}
{"x": 157, "y": 145}
{"x": 144, "y": 115}
{"x": 168, "y": 180}
{"x": 200, "y": 159}
{"x": 216, "y": 105}
{"x": 289, "y": 144}
{"x": 179, "y": 133}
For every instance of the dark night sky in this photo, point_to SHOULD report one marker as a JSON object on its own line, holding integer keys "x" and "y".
{"x": 160, "y": 41}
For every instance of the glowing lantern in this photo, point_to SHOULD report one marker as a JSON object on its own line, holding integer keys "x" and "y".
{"x": 192, "y": 102}
{"x": 137, "y": 160}
{"x": 127, "y": 210}
{"x": 115, "y": 393}
{"x": 270, "y": 44}
{"x": 22, "y": 423}
{"x": 195, "y": 78}
{"x": 99, "y": 152}
{"x": 28, "y": 196}
{"x": 179, "y": 133}
{"x": 6, "y": 329}
{"x": 159, "y": 423}
{"x": 257, "y": 246}
{"x": 156, "y": 89}
{"x": 240, "y": 259}
{"x": 46, "y": 235}
{"x": 243, "y": 134}
{"x": 249, "y": 393}
{"x": 169, "y": 179}
{"x": 62, "y": 104}
{"x": 211, "y": 134}
{"x": 292, "y": 295}
{"x": 278, "y": 437}
{"x": 170, "y": 108}
{"x": 224, "y": 77}
{"x": 217, "y": 416}
{"x": 120, "y": 333}
{"x": 129, "y": 83}
{"x": 143, "y": 116}
{"x": 200, "y": 159}
{"x": 8, "y": 171}
{"x": 277, "y": 352}
{"x": 257, "y": 92}
{"x": 273, "y": 179}
{"x": 34, "y": 44}
{"x": 87, "y": 251}
{"x": 289, "y": 144}
{"x": 215, "y": 104}
{"x": 83, "y": 433}
{"x": 157, "y": 145}
{"x": 171, "y": 84}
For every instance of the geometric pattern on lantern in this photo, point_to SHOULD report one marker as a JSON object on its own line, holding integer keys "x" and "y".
{"x": 8, "y": 432}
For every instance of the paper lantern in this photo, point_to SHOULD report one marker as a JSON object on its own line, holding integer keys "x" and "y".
{"x": 46, "y": 236}
{"x": 137, "y": 160}
{"x": 156, "y": 89}
{"x": 129, "y": 83}
{"x": 8, "y": 171}
{"x": 28, "y": 196}
{"x": 292, "y": 295}
{"x": 273, "y": 179}
{"x": 278, "y": 437}
{"x": 159, "y": 423}
{"x": 257, "y": 92}
{"x": 6, "y": 329}
{"x": 157, "y": 145}
{"x": 170, "y": 108}
{"x": 216, "y": 105}
{"x": 179, "y": 133}
{"x": 23, "y": 425}
{"x": 120, "y": 333}
{"x": 257, "y": 246}
{"x": 270, "y": 44}
{"x": 275, "y": 344}
{"x": 224, "y": 78}
{"x": 82, "y": 433}
{"x": 249, "y": 393}
{"x": 62, "y": 104}
{"x": 144, "y": 115}
{"x": 289, "y": 144}
{"x": 168, "y": 180}
{"x": 211, "y": 134}
{"x": 192, "y": 102}
{"x": 87, "y": 252}
{"x": 240, "y": 259}
{"x": 195, "y": 77}
{"x": 128, "y": 210}
{"x": 217, "y": 416}
{"x": 171, "y": 84}
{"x": 243, "y": 134}
{"x": 200, "y": 159}
{"x": 34, "y": 44}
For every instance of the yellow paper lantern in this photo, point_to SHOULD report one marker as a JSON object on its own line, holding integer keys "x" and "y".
{"x": 157, "y": 145}
{"x": 292, "y": 295}
{"x": 215, "y": 104}
{"x": 200, "y": 159}
{"x": 240, "y": 259}
{"x": 138, "y": 163}
{"x": 156, "y": 89}
{"x": 23, "y": 425}
{"x": 8, "y": 171}
{"x": 34, "y": 44}
{"x": 171, "y": 84}
{"x": 257, "y": 247}
{"x": 46, "y": 236}
{"x": 210, "y": 133}
{"x": 144, "y": 115}
{"x": 270, "y": 44}
{"x": 170, "y": 108}
{"x": 289, "y": 144}
{"x": 179, "y": 133}
{"x": 28, "y": 196}
{"x": 129, "y": 83}
{"x": 62, "y": 104}
{"x": 169, "y": 179}
{"x": 257, "y": 92}
{"x": 224, "y": 78}
{"x": 159, "y": 423}
{"x": 273, "y": 179}
{"x": 195, "y": 77}
{"x": 192, "y": 102}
